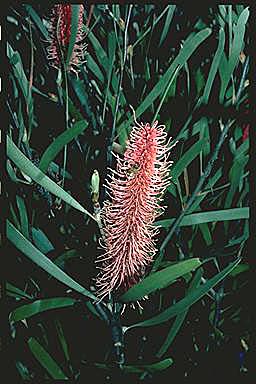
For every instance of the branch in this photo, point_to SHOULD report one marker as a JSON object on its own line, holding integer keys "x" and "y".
{"x": 241, "y": 85}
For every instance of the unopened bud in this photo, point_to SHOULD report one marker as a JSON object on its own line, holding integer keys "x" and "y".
{"x": 95, "y": 186}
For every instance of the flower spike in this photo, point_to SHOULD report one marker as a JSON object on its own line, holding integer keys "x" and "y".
{"x": 59, "y": 37}
{"x": 135, "y": 189}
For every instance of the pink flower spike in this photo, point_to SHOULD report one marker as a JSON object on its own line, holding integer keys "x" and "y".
{"x": 135, "y": 188}
{"x": 60, "y": 33}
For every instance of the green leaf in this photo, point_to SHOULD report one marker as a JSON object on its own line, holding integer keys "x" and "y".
{"x": 62, "y": 339}
{"x": 163, "y": 97}
{"x": 41, "y": 241}
{"x": 37, "y": 20}
{"x": 26, "y": 166}
{"x": 23, "y": 371}
{"x": 99, "y": 51}
{"x": 187, "y": 133}
{"x": 14, "y": 218}
{"x": 239, "y": 32}
{"x": 94, "y": 68}
{"x": 59, "y": 143}
{"x": 16, "y": 62}
{"x": 105, "y": 62}
{"x": 209, "y": 216}
{"x": 235, "y": 176}
{"x": 112, "y": 57}
{"x": 55, "y": 168}
{"x": 16, "y": 292}
{"x": 159, "y": 366}
{"x": 38, "y": 306}
{"x": 208, "y": 188}
{"x": 150, "y": 28}
{"x": 187, "y": 158}
{"x": 189, "y": 300}
{"x": 46, "y": 360}
{"x": 184, "y": 161}
{"x": 11, "y": 172}
{"x": 23, "y": 216}
{"x": 159, "y": 280}
{"x": 42, "y": 261}
{"x": 214, "y": 66}
{"x": 180, "y": 317}
{"x": 188, "y": 48}
{"x": 167, "y": 23}
{"x": 242, "y": 149}
{"x": 82, "y": 96}
{"x": 240, "y": 269}
{"x": 199, "y": 80}
{"x": 206, "y": 233}
{"x": 60, "y": 260}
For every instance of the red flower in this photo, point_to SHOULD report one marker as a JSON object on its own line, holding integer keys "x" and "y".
{"x": 135, "y": 188}
{"x": 60, "y": 32}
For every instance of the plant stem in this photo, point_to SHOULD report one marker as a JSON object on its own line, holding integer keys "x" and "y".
{"x": 66, "y": 124}
{"x": 30, "y": 83}
{"x": 241, "y": 85}
{"x": 89, "y": 16}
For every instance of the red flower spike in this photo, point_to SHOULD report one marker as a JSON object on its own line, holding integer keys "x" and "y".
{"x": 135, "y": 189}
{"x": 60, "y": 32}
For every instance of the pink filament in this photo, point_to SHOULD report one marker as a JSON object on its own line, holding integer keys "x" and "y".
{"x": 135, "y": 189}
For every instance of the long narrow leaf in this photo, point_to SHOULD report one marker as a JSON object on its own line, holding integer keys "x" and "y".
{"x": 159, "y": 366}
{"x": 42, "y": 261}
{"x": 189, "y": 300}
{"x": 26, "y": 166}
{"x": 239, "y": 32}
{"x": 167, "y": 23}
{"x": 59, "y": 143}
{"x": 214, "y": 66}
{"x": 159, "y": 280}
{"x": 23, "y": 216}
{"x": 38, "y": 306}
{"x": 207, "y": 217}
{"x": 180, "y": 317}
{"x": 46, "y": 360}
{"x": 41, "y": 241}
{"x": 189, "y": 47}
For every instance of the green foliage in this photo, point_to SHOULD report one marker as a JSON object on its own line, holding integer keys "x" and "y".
{"x": 46, "y": 360}
{"x": 159, "y": 280}
{"x": 42, "y": 261}
{"x": 58, "y": 144}
{"x": 190, "y": 299}
{"x": 184, "y": 70}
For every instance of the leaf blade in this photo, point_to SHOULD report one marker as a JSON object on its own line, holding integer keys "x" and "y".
{"x": 42, "y": 261}
{"x": 46, "y": 360}
{"x": 159, "y": 280}
{"x": 28, "y": 310}
{"x": 59, "y": 143}
{"x": 207, "y": 217}
{"x": 189, "y": 300}
{"x": 22, "y": 162}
